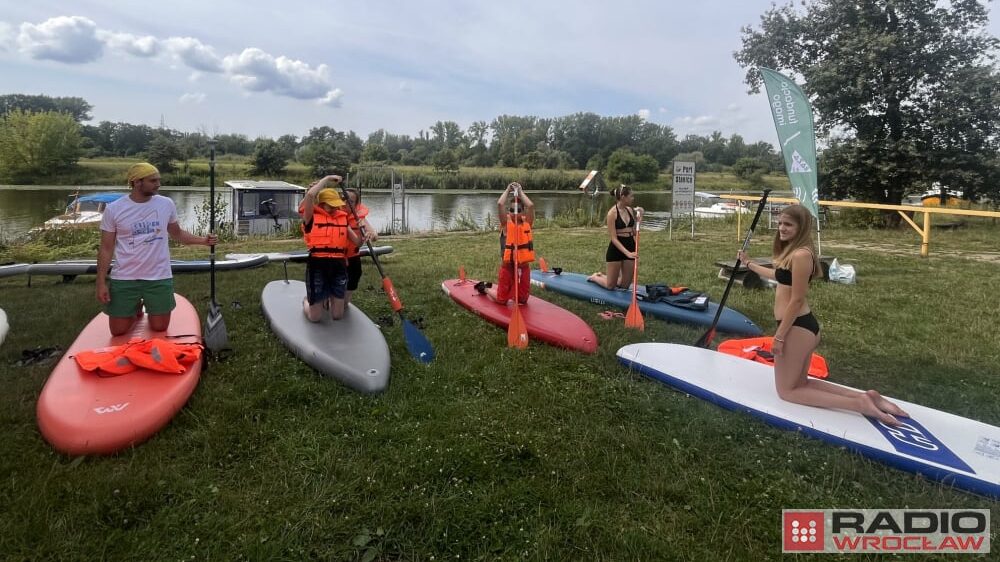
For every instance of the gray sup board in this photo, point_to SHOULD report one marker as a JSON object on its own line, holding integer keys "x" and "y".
{"x": 351, "y": 350}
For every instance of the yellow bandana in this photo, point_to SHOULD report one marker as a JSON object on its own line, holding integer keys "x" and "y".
{"x": 141, "y": 170}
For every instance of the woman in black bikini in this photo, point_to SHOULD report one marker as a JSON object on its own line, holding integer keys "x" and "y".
{"x": 622, "y": 222}
{"x": 797, "y": 335}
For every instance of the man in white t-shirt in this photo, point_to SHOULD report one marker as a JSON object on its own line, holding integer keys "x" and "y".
{"x": 134, "y": 230}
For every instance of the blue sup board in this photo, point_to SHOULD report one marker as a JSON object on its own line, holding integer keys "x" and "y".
{"x": 576, "y": 285}
{"x": 956, "y": 451}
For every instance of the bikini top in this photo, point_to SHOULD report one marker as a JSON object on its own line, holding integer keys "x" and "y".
{"x": 619, "y": 223}
{"x": 783, "y": 276}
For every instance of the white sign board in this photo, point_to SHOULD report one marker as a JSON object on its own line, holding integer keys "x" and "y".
{"x": 683, "y": 193}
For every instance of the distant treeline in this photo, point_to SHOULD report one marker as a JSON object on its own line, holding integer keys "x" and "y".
{"x": 628, "y": 149}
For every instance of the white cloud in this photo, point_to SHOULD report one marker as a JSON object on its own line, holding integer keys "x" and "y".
{"x": 405, "y": 87}
{"x": 6, "y": 36}
{"x": 192, "y": 97}
{"x": 259, "y": 71}
{"x": 145, "y": 46}
{"x": 68, "y": 39}
{"x": 194, "y": 53}
{"x": 644, "y": 113}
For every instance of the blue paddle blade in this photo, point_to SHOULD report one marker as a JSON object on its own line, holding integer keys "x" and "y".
{"x": 420, "y": 348}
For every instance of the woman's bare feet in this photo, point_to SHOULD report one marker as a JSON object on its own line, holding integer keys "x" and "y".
{"x": 870, "y": 409}
{"x": 885, "y": 405}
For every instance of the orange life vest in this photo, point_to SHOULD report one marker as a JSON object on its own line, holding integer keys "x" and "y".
{"x": 328, "y": 236}
{"x": 759, "y": 350}
{"x": 154, "y": 354}
{"x": 362, "y": 211}
{"x": 519, "y": 232}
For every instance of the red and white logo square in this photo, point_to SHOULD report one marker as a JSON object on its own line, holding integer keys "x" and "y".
{"x": 802, "y": 531}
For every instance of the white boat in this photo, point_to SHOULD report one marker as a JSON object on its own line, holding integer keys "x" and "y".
{"x": 83, "y": 210}
{"x": 710, "y": 206}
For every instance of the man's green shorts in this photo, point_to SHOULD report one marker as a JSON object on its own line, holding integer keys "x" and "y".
{"x": 157, "y": 296}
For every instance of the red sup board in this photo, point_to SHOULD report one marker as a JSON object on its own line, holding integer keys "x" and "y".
{"x": 82, "y": 413}
{"x": 545, "y": 321}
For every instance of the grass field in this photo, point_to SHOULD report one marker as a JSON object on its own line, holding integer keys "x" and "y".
{"x": 489, "y": 453}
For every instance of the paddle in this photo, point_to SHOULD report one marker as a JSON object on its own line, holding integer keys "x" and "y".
{"x": 416, "y": 342}
{"x": 707, "y": 337}
{"x": 215, "y": 335}
{"x": 633, "y": 318}
{"x": 517, "y": 332}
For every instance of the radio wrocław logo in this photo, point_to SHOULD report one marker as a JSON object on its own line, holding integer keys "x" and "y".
{"x": 886, "y": 530}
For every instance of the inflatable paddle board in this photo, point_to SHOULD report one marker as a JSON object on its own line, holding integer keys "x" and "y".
{"x": 301, "y": 255}
{"x": 576, "y": 285}
{"x": 956, "y": 451}
{"x": 82, "y": 413}
{"x": 351, "y": 350}
{"x": 69, "y": 269}
{"x": 544, "y": 321}
{"x": 4, "y": 326}
{"x": 13, "y": 269}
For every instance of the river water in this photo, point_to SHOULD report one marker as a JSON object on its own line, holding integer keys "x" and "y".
{"x": 25, "y": 207}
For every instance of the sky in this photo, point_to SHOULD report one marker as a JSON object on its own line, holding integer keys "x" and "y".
{"x": 274, "y": 68}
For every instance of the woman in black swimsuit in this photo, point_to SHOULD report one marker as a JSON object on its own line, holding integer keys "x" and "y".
{"x": 622, "y": 221}
{"x": 797, "y": 336}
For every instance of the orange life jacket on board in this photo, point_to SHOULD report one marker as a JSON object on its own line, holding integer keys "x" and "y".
{"x": 519, "y": 232}
{"x": 154, "y": 354}
{"x": 328, "y": 236}
{"x": 362, "y": 211}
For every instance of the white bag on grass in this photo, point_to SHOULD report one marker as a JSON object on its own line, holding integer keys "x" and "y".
{"x": 841, "y": 273}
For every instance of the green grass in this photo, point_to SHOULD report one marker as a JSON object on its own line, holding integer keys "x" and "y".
{"x": 490, "y": 453}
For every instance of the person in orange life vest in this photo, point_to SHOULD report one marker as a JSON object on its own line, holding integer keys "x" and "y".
{"x": 621, "y": 222}
{"x": 797, "y": 335}
{"x": 325, "y": 227}
{"x": 134, "y": 230}
{"x": 367, "y": 235}
{"x": 515, "y": 226}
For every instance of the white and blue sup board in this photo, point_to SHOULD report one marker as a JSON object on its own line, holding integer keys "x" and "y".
{"x": 956, "y": 451}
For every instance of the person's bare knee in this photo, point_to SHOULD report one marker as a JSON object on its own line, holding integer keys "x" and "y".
{"x": 159, "y": 322}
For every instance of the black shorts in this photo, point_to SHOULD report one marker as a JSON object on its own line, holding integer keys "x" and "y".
{"x": 807, "y": 321}
{"x": 614, "y": 254}
{"x": 325, "y": 278}
{"x": 353, "y": 272}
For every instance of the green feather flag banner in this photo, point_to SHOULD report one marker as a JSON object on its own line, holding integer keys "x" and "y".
{"x": 794, "y": 122}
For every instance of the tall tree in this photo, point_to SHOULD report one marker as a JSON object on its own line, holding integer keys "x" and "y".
{"x": 37, "y": 144}
{"x": 269, "y": 158}
{"x": 885, "y": 76}
{"x": 77, "y": 108}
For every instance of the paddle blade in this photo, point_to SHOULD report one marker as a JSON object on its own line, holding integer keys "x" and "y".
{"x": 215, "y": 336}
{"x": 633, "y": 318}
{"x": 543, "y": 265}
{"x": 706, "y": 339}
{"x": 461, "y": 273}
{"x": 517, "y": 331}
{"x": 416, "y": 342}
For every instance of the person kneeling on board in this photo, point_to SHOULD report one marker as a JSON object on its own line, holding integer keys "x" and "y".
{"x": 515, "y": 232}
{"x": 134, "y": 231}
{"x": 797, "y": 335}
{"x": 325, "y": 226}
{"x": 368, "y": 234}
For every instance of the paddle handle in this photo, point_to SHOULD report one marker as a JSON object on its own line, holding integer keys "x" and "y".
{"x": 211, "y": 215}
{"x": 706, "y": 339}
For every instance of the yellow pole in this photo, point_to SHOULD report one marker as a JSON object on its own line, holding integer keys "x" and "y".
{"x": 925, "y": 239}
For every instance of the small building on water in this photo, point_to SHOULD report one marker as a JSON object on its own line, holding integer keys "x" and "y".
{"x": 264, "y": 207}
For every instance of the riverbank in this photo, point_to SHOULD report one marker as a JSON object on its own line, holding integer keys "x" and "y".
{"x": 490, "y": 453}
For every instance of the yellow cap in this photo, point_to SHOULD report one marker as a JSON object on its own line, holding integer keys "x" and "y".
{"x": 330, "y": 197}
{"x": 141, "y": 170}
